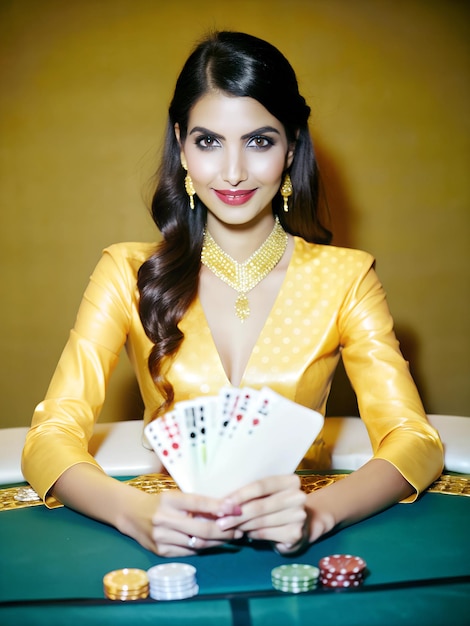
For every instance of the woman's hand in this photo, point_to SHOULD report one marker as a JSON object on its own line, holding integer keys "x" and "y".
{"x": 184, "y": 524}
{"x": 272, "y": 509}
{"x": 170, "y": 523}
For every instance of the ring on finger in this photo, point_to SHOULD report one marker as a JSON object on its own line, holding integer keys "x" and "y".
{"x": 192, "y": 542}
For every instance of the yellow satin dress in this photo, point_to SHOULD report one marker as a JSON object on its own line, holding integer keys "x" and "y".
{"x": 331, "y": 305}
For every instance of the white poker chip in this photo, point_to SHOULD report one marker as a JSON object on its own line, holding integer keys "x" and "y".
{"x": 171, "y": 571}
{"x": 172, "y": 581}
{"x": 181, "y": 590}
{"x": 177, "y": 595}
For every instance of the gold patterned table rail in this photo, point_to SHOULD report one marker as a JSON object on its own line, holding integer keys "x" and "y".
{"x": 24, "y": 496}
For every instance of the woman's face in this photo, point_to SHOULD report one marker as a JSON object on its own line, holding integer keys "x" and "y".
{"x": 236, "y": 153}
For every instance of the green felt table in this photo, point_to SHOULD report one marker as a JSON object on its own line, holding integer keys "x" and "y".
{"x": 418, "y": 557}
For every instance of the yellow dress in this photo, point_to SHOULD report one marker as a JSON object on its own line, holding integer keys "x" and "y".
{"x": 331, "y": 305}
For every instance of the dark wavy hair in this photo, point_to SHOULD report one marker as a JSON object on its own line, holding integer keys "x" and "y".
{"x": 236, "y": 64}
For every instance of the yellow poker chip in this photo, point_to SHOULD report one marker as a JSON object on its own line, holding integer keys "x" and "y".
{"x": 127, "y": 596}
{"x": 126, "y": 579}
{"x": 126, "y": 584}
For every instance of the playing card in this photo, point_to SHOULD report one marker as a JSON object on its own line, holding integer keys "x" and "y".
{"x": 215, "y": 445}
{"x": 164, "y": 435}
{"x": 273, "y": 441}
{"x": 258, "y": 410}
{"x": 197, "y": 418}
{"x": 241, "y": 403}
{"x": 226, "y": 402}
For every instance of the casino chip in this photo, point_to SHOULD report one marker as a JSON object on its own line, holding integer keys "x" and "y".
{"x": 172, "y": 581}
{"x": 340, "y": 571}
{"x": 126, "y": 584}
{"x": 295, "y": 578}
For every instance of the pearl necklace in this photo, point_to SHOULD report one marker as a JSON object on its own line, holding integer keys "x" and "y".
{"x": 243, "y": 277}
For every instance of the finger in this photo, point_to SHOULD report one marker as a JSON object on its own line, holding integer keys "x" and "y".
{"x": 282, "y": 505}
{"x": 184, "y": 502}
{"x": 277, "y": 503}
{"x": 292, "y": 546}
{"x": 173, "y": 543}
{"x": 275, "y": 520}
{"x": 171, "y": 522}
{"x": 197, "y": 505}
{"x": 262, "y": 488}
{"x": 171, "y": 550}
{"x": 287, "y": 536}
{"x": 209, "y": 530}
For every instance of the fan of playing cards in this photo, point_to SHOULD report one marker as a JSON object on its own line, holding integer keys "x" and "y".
{"x": 216, "y": 444}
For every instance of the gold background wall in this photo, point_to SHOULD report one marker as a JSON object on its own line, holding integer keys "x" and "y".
{"x": 84, "y": 89}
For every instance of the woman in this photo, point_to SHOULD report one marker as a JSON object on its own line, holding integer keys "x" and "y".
{"x": 238, "y": 181}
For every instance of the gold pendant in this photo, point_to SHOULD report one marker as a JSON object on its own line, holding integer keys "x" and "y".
{"x": 242, "y": 307}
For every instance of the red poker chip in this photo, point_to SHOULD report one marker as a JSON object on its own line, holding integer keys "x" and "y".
{"x": 339, "y": 584}
{"x": 338, "y": 577}
{"x": 342, "y": 564}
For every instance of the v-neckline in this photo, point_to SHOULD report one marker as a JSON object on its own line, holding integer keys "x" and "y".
{"x": 279, "y": 296}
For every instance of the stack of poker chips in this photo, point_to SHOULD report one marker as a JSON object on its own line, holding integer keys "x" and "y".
{"x": 342, "y": 571}
{"x": 295, "y": 578}
{"x": 126, "y": 584}
{"x": 172, "y": 581}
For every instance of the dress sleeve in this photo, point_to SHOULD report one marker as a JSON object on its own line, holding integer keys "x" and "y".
{"x": 389, "y": 403}
{"x": 63, "y": 423}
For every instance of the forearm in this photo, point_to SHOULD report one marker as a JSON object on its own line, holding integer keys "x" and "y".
{"x": 159, "y": 522}
{"x": 372, "y": 488}
{"x": 90, "y": 491}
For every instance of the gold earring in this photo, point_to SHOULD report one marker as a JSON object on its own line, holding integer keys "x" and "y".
{"x": 188, "y": 184}
{"x": 286, "y": 191}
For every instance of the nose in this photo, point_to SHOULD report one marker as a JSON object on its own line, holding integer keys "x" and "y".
{"x": 234, "y": 168}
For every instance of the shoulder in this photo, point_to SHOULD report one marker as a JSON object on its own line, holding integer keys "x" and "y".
{"x": 120, "y": 262}
{"x": 131, "y": 251}
{"x": 127, "y": 256}
{"x": 344, "y": 260}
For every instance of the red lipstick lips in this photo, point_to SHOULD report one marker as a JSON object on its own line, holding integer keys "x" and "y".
{"x": 234, "y": 197}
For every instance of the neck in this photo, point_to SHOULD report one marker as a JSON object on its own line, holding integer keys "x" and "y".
{"x": 241, "y": 240}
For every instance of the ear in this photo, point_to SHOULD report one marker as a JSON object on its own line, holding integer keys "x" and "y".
{"x": 176, "y": 128}
{"x": 290, "y": 155}
{"x": 291, "y": 151}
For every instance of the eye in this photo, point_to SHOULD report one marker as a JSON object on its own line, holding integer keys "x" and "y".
{"x": 206, "y": 142}
{"x": 260, "y": 142}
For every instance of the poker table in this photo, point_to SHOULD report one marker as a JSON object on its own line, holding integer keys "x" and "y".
{"x": 418, "y": 572}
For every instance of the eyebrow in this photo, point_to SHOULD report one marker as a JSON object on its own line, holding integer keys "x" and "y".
{"x": 258, "y": 131}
